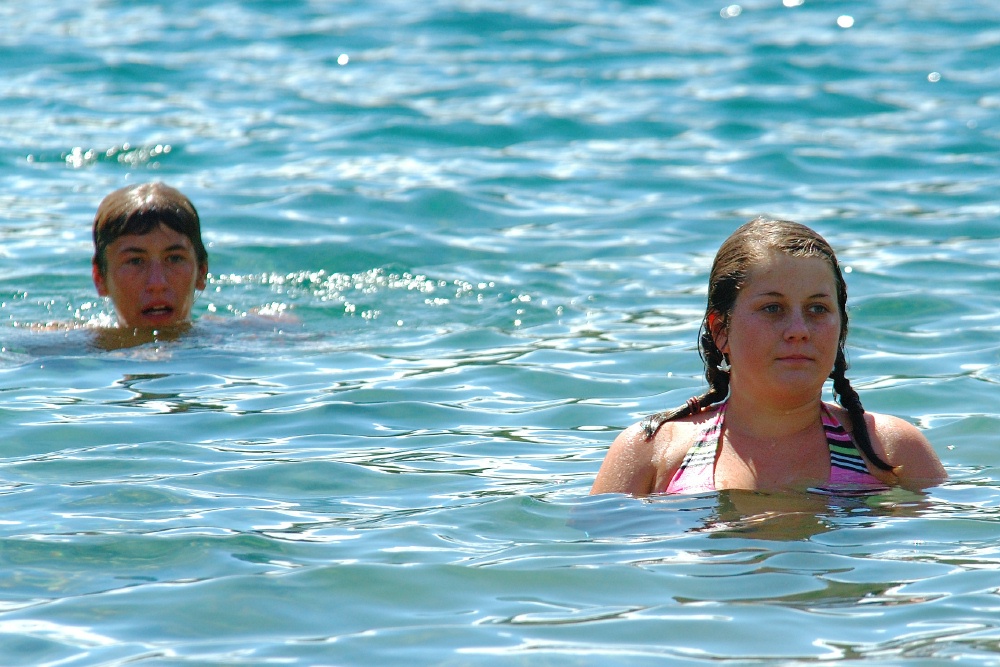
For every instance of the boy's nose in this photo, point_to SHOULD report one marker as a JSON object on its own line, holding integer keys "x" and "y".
{"x": 157, "y": 276}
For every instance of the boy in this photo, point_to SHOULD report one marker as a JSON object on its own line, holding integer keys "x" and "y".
{"x": 149, "y": 258}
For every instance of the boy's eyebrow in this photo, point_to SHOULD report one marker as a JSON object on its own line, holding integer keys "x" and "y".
{"x": 133, "y": 249}
{"x": 142, "y": 251}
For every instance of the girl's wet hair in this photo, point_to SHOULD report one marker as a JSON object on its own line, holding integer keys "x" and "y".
{"x": 736, "y": 257}
{"x": 139, "y": 209}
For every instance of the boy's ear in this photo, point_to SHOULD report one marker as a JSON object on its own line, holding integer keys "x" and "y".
{"x": 102, "y": 289}
{"x": 720, "y": 333}
{"x": 200, "y": 283}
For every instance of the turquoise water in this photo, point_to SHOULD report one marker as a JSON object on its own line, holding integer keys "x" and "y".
{"x": 492, "y": 223}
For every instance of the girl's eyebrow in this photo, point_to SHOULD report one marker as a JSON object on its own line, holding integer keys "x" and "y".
{"x": 774, "y": 295}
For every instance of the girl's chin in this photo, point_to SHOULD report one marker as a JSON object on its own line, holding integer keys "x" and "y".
{"x": 793, "y": 385}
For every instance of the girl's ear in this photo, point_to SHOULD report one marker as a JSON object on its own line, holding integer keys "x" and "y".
{"x": 720, "y": 333}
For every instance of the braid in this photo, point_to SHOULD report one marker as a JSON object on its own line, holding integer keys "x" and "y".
{"x": 849, "y": 399}
{"x": 718, "y": 382}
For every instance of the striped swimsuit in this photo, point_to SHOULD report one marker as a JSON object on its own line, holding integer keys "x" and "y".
{"x": 848, "y": 471}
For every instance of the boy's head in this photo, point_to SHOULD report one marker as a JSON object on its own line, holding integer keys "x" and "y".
{"x": 138, "y": 210}
{"x": 148, "y": 254}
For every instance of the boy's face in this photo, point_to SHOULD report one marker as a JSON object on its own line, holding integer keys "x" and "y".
{"x": 151, "y": 278}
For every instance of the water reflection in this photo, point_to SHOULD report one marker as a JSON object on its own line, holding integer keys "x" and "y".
{"x": 789, "y": 515}
{"x": 758, "y": 515}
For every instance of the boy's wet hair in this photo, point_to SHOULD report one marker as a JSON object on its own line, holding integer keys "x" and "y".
{"x": 140, "y": 209}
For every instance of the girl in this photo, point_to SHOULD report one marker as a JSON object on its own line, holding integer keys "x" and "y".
{"x": 774, "y": 331}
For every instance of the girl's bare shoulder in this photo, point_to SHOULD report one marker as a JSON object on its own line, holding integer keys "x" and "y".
{"x": 674, "y": 439}
{"x": 637, "y": 461}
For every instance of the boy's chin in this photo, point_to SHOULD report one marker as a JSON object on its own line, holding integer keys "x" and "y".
{"x": 156, "y": 324}
{"x": 154, "y": 319}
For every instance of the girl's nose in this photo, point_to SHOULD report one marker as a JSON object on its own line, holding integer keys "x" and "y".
{"x": 796, "y": 327}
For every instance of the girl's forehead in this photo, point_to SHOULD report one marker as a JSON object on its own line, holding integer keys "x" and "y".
{"x": 778, "y": 270}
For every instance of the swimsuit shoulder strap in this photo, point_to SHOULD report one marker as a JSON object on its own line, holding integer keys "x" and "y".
{"x": 697, "y": 470}
{"x": 843, "y": 452}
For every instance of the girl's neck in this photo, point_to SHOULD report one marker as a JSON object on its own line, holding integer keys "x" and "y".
{"x": 765, "y": 420}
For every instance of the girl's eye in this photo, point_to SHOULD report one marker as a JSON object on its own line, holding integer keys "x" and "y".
{"x": 819, "y": 309}
{"x": 771, "y": 308}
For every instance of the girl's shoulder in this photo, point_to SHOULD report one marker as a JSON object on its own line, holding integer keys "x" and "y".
{"x": 902, "y": 445}
{"x": 915, "y": 462}
{"x": 637, "y": 462}
{"x": 675, "y": 438}
{"x": 682, "y": 431}
{"x": 883, "y": 429}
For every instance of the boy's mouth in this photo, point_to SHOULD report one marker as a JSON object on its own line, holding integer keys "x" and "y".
{"x": 157, "y": 311}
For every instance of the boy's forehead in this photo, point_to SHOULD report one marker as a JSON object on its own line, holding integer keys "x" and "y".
{"x": 160, "y": 236}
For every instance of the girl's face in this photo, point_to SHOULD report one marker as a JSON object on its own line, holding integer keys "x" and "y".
{"x": 784, "y": 330}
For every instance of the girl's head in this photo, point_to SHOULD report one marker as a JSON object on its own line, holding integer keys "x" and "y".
{"x": 736, "y": 258}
